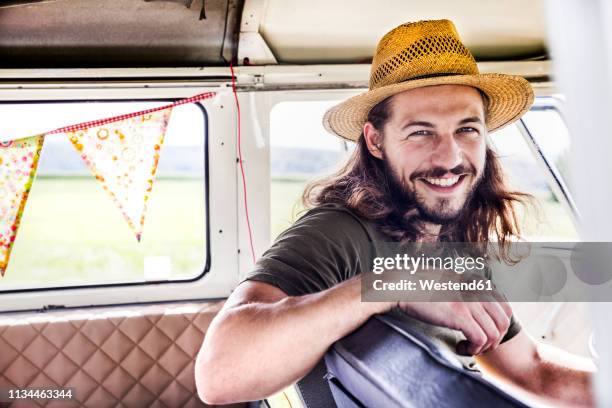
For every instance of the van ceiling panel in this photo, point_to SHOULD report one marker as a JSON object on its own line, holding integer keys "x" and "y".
{"x": 118, "y": 33}
{"x": 342, "y": 31}
{"x": 154, "y": 33}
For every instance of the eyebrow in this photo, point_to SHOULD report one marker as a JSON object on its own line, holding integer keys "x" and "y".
{"x": 471, "y": 119}
{"x": 418, "y": 123}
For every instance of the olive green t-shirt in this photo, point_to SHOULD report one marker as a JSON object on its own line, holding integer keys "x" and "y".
{"x": 328, "y": 245}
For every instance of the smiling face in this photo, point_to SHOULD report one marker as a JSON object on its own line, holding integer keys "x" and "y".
{"x": 433, "y": 147}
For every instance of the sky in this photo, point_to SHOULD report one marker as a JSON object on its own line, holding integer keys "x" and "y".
{"x": 299, "y": 124}
{"x": 292, "y": 124}
{"x": 23, "y": 120}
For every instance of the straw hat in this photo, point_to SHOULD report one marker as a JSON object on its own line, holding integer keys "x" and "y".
{"x": 427, "y": 53}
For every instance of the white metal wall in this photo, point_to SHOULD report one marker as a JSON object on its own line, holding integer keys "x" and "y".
{"x": 581, "y": 42}
{"x": 223, "y": 277}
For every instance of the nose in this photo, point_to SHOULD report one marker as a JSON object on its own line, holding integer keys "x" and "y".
{"x": 447, "y": 153}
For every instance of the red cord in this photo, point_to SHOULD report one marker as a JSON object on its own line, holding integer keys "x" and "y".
{"x": 244, "y": 187}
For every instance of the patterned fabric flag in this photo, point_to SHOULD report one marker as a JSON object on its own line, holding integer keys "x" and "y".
{"x": 18, "y": 162}
{"x": 123, "y": 155}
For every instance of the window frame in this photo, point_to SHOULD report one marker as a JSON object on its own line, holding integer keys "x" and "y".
{"x": 259, "y": 88}
{"x": 554, "y": 179}
{"x": 217, "y": 278}
{"x": 544, "y": 102}
{"x": 206, "y": 200}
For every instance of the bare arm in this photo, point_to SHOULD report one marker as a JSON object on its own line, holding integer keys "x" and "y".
{"x": 546, "y": 371}
{"x": 263, "y": 340}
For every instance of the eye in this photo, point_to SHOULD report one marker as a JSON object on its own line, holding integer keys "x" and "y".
{"x": 420, "y": 133}
{"x": 467, "y": 129}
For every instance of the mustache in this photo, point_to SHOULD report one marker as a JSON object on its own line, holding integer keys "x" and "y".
{"x": 438, "y": 172}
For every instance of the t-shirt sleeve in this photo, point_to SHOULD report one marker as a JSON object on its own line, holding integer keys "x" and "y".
{"x": 322, "y": 249}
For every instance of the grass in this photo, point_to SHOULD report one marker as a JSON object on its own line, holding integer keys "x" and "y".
{"x": 285, "y": 204}
{"x": 547, "y": 221}
{"x": 71, "y": 232}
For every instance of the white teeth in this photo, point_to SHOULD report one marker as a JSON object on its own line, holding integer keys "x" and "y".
{"x": 445, "y": 182}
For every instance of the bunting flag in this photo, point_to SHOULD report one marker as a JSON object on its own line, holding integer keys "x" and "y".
{"x": 123, "y": 155}
{"x": 122, "y": 152}
{"x": 18, "y": 162}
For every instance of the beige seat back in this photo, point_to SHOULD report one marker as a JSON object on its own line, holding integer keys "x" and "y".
{"x": 140, "y": 356}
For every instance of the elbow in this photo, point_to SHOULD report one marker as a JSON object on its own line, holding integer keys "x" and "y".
{"x": 210, "y": 396}
{"x": 219, "y": 375}
{"x": 211, "y": 371}
{"x": 215, "y": 378}
{"x": 208, "y": 385}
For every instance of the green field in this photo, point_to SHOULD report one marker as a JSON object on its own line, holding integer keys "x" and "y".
{"x": 285, "y": 204}
{"x": 548, "y": 221}
{"x": 71, "y": 232}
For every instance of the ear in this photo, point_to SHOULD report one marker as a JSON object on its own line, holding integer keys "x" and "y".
{"x": 373, "y": 139}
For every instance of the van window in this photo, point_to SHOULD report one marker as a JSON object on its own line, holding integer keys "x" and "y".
{"x": 549, "y": 219}
{"x": 552, "y": 136}
{"x": 72, "y": 233}
{"x": 302, "y": 150}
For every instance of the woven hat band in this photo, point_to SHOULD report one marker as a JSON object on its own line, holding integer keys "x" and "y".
{"x": 419, "y": 49}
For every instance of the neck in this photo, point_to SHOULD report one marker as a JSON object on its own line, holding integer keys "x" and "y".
{"x": 429, "y": 231}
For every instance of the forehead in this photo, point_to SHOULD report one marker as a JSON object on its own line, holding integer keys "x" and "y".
{"x": 438, "y": 100}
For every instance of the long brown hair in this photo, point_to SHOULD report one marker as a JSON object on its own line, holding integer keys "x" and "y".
{"x": 363, "y": 185}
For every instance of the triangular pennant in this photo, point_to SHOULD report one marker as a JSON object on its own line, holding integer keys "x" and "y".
{"x": 18, "y": 163}
{"x": 123, "y": 155}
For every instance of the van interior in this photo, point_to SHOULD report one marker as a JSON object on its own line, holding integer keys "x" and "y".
{"x": 84, "y": 306}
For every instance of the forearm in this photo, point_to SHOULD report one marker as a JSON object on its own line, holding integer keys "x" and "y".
{"x": 256, "y": 349}
{"x": 561, "y": 377}
{"x": 547, "y": 373}
{"x": 563, "y": 385}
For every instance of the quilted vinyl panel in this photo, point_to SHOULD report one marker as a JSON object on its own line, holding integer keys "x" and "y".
{"x": 113, "y": 357}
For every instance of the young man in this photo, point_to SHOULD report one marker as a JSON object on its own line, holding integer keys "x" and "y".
{"x": 421, "y": 171}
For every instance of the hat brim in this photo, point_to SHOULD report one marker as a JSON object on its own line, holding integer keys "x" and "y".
{"x": 509, "y": 97}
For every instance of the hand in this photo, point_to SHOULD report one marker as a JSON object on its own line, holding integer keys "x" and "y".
{"x": 484, "y": 324}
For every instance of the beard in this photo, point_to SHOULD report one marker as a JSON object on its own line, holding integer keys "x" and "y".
{"x": 442, "y": 212}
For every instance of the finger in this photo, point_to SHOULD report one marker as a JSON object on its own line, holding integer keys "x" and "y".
{"x": 501, "y": 319}
{"x": 501, "y": 299}
{"x": 475, "y": 337}
{"x": 488, "y": 326}
{"x": 507, "y": 309}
